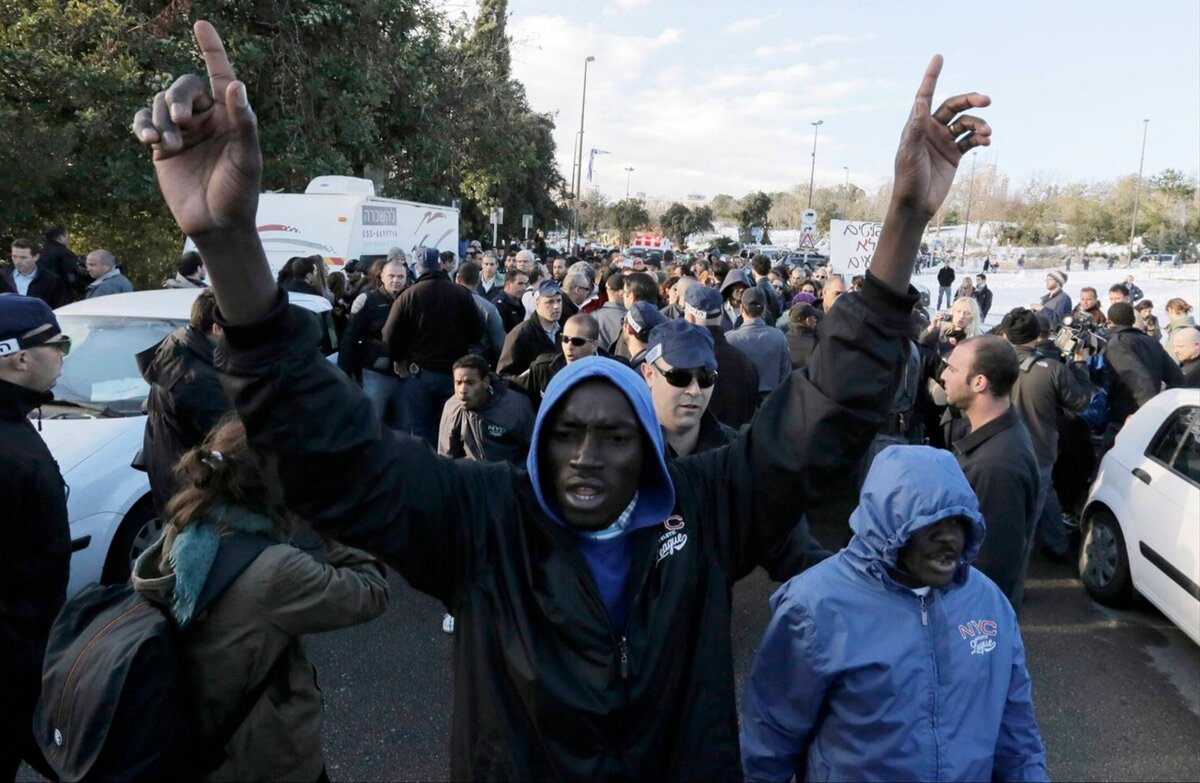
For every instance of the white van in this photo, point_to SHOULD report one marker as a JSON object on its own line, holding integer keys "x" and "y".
{"x": 341, "y": 218}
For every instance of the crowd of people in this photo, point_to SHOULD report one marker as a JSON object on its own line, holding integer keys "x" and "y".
{"x": 578, "y": 454}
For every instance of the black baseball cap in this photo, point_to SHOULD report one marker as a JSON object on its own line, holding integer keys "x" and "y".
{"x": 27, "y": 322}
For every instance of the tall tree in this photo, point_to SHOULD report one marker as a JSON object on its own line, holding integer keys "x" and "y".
{"x": 628, "y": 215}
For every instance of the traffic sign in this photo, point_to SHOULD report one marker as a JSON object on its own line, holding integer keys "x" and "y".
{"x": 808, "y": 241}
{"x": 808, "y": 217}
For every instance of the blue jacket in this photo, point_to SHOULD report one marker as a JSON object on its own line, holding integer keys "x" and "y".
{"x": 859, "y": 678}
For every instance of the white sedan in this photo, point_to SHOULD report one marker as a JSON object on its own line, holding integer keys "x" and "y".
{"x": 94, "y": 426}
{"x": 1141, "y": 524}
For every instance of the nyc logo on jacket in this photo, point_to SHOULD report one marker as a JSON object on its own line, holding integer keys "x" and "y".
{"x": 981, "y": 634}
{"x": 673, "y": 539}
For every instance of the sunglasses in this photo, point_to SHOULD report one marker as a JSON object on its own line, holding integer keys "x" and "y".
{"x": 681, "y": 379}
{"x": 578, "y": 342}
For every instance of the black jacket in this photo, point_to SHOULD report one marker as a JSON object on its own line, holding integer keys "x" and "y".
{"x": 983, "y": 297}
{"x": 45, "y": 285}
{"x": 512, "y": 312}
{"x": 1000, "y": 465}
{"x": 945, "y": 276}
{"x": 544, "y": 687}
{"x": 58, "y": 258}
{"x": 1045, "y": 389}
{"x": 1138, "y": 367}
{"x": 524, "y": 344}
{"x": 1191, "y": 374}
{"x": 185, "y": 402}
{"x": 362, "y": 343}
{"x": 35, "y": 559}
{"x": 433, "y": 323}
{"x": 735, "y": 394}
{"x": 802, "y": 341}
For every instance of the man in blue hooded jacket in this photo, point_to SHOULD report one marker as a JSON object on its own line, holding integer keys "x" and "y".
{"x": 895, "y": 659}
{"x": 591, "y": 589}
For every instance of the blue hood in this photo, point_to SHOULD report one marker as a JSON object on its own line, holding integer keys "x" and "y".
{"x": 908, "y": 488}
{"x": 656, "y": 492}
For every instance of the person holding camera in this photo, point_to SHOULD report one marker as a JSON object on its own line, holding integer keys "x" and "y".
{"x": 1047, "y": 386}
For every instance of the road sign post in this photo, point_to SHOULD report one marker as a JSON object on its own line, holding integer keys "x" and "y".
{"x": 527, "y": 223}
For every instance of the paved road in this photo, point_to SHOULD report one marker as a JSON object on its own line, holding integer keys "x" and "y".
{"x": 1117, "y": 692}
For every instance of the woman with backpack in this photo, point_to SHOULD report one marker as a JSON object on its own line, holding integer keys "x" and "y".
{"x": 247, "y": 640}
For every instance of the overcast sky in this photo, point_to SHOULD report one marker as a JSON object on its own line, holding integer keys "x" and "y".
{"x": 715, "y": 97}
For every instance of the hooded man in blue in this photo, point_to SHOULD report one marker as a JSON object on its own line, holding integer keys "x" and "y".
{"x": 895, "y": 659}
{"x": 574, "y": 657}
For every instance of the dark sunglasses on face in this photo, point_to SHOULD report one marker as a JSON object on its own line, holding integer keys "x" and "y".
{"x": 681, "y": 379}
{"x": 578, "y": 342}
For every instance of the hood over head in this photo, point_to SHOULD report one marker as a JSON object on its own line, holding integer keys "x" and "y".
{"x": 656, "y": 492}
{"x": 735, "y": 277}
{"x": 909, "y": 488}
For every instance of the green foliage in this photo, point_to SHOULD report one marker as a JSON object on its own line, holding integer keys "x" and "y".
{"x": 755, "y": 210}
{"x": 385, "y": 88}
{"x": 679, "y": 221}
{"x": 627, "y": 216}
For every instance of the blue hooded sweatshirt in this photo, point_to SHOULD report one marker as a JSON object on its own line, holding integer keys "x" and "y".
{"x": 861, "y": 678}
{"x": 607, "y": 552}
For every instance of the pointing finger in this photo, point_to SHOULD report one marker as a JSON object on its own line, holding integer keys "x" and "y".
{"x": 220, "y": 72}
{"x": 929, "y": 81}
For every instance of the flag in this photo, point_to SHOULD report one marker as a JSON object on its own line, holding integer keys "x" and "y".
{"x": 592, "y": 157}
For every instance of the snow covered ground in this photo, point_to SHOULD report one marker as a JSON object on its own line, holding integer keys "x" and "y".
{"x": 1020, "y": 289}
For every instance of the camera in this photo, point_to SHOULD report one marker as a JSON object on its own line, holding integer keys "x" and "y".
{"x": 1078, "y": 331}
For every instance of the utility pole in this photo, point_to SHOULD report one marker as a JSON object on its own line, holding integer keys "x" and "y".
{"x": 812, "y": 172}
{"x": 579, "y": 160}
{"x": 628, "y": 174}
{"x": 1137, "y": 193}
{"x": 845, "y": 195}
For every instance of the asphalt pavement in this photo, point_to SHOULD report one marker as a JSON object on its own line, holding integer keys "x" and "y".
{"x": 1117, "y": 692}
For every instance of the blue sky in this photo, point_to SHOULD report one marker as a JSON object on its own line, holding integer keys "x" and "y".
{"x": 711, "y": 97}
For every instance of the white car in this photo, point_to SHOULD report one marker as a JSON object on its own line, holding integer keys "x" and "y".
{"x": 94, "y": 426}
{"x": 1141, "y": 524}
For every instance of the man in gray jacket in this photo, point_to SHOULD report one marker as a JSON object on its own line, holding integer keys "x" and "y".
{"x": 765, "y": 345}
{"x": 107, "y": 279}
{"x": 485, "y": 420}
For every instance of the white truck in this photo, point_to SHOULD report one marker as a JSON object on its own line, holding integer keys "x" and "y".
{"x": 341, "y": 219}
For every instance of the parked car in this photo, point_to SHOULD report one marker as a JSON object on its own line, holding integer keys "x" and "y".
{"x": 94, "y": 426}
{"x": 1141, "y": 523}
{"x": 1161, "y": 259}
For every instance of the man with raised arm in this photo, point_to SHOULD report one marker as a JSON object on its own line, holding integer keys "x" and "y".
{"x": 576, "y": 582}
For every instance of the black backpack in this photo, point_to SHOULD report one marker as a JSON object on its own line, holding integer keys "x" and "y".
{"x": 115, "y": 703}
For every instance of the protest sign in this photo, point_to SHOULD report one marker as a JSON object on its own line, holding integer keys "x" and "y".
{"x": 851, "y": 245}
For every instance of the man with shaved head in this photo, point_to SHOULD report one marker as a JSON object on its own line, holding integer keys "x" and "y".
{"x": 106, "y": 278}
{"x": 579, "y": 339}
{"x": 1185, "y": 344}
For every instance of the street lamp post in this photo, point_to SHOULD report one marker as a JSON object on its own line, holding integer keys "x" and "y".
{"x": 967, "y": 220}
{"x": 579, "y": 159}
{"x": 816, "y": 125}
{"x": 628, "y": 174}
{"x": 1137, "y": 193}
{"x": 846, "y": 195}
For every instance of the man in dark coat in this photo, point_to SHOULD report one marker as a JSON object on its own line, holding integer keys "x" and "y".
{"x": 1046, "y": 390}
{"x": 983, "y": 295}
{"x": 597, "y": 529}
{"x": 579, "y": 340}
{"x": 36, "y": 557}
{"x": 1138, "y": 365}
{"x": 363, "y": 354}
{"x": 28, "y": 278}
{"x": 735, "y": 396}
{"x": 996, "y": 455}
{"x": 535, "y": 336}
{"x": 508, "y": 301}
{"x": 56, "y": 257}
{"x": 433, "y": 323}
{"x": 186, "y": 400}
{"x": 945, "y": 278}
{"x": 802, "y": 337}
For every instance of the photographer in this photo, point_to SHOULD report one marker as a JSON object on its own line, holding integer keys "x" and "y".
{"x": 1049, "y": 385}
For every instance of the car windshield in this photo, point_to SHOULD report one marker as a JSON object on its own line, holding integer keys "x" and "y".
{"x": 100, "y": 370}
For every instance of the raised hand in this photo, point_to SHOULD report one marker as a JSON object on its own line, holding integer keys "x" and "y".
{"x": 934, "y": 142}
{"x": 205, "y": 142}
{"x": 209, "y": 168}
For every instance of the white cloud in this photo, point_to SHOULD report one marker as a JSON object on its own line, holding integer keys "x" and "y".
{"x": 749, "y": 24}
{"x": 623, "y": 6}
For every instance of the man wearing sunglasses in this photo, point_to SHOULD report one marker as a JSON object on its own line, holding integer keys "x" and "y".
{"x": 577, "y": 341}
{"x": 680, "y": 368}
{"x": 36, "y": 557}
{"x": 580, "y": 648}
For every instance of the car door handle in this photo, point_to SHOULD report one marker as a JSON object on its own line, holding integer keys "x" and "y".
{"x": 1142, "y": 475}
